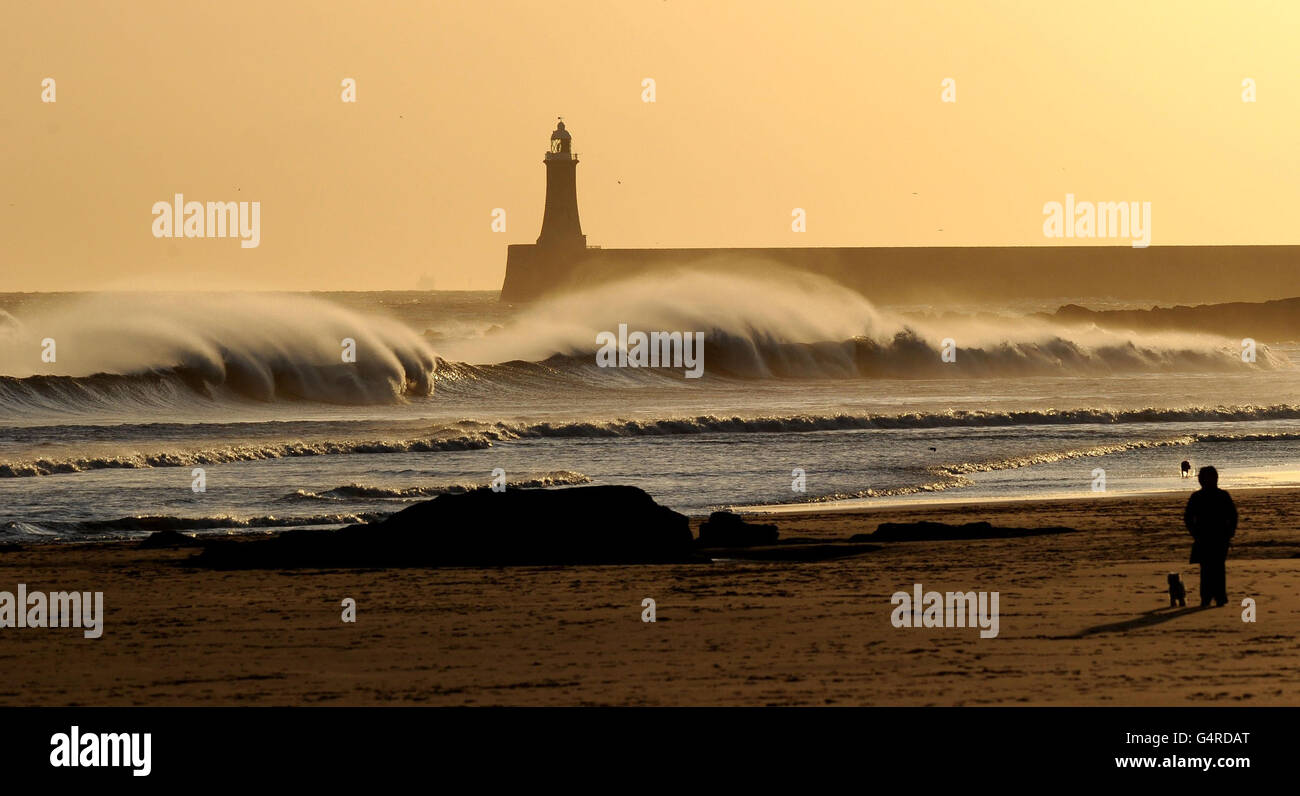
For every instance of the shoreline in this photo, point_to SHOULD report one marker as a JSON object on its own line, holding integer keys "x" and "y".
{"x": 854, "y": 506}
{"x": 788, "y": 512}
{"x": 1084, "y": 620}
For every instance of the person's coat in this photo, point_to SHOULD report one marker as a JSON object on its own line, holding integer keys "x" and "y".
{"x": 1211, "y": 519}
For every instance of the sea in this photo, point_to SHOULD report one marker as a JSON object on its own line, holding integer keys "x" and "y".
{"x": 126, "y": 413}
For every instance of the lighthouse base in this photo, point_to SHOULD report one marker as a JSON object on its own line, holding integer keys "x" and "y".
{"x": 533, "y": 270}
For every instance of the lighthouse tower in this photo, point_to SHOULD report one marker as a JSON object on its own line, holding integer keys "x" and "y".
{"x": 533, "y": 270}
{"x": 560, "y": 225}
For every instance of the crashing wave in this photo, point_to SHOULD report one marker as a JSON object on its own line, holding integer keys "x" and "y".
{"x": 144, "y": 350}
{"x": 364, "y": 492}
{"x": 473, "y": 435}
{"x": 151, "y": 523}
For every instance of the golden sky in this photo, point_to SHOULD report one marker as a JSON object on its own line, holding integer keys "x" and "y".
{"x": 761, "y": 107}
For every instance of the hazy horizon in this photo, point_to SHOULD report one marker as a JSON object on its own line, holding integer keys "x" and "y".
{"x": 759, "y": 108}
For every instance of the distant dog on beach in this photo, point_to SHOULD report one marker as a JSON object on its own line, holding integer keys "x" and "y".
{"x": 1177, "y": 593}
{"x": 1187, "y": 469}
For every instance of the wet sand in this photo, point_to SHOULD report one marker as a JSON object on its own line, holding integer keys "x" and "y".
{"x": 1084, "y": 621}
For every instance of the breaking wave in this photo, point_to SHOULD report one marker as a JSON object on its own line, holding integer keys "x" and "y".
{"x": 235, "y": 453}
{"x": 125, "y": 526}
{"x": 363, "y": 492}
{"x": 147, "y": 350}
{"x": 952, "y": 476}
{"x": 784, "y": 324}
{"x": 473, "y": 435}
{"x": 709, "y": 424}
{"x": 142, "y": 352}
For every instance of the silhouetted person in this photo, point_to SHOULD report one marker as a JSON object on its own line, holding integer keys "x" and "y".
{"x": 1211, "y": 518}
{"x": 1187, "y": 468}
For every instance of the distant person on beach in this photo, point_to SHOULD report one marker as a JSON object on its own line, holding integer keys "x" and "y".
{"x": 1187, "y": 468}
{"x": 1211, "y": 518}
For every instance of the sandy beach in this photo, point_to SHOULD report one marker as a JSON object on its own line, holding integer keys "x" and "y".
{"x": 1084, "y": 621}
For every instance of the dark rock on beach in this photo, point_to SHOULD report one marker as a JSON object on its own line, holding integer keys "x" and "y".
{"x": 580, "y": 525}
{"x": 162, "y": 539}
{"x": 725, "y": 529}
{"x": 940, "y": 531}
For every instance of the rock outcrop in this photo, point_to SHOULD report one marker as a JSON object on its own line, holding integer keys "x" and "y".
{"x": 581, "y": 525}
{"x": 162, "y": 539}
{"x": 725, "y": 529}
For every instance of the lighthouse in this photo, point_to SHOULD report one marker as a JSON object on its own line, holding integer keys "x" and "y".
{"x": 561, "y": 261}
{"x": 561, "y": 228}
{"x": 533, "y": 269}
